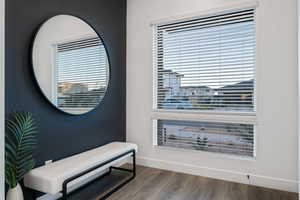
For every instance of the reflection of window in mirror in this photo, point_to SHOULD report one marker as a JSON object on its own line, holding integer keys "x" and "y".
{"x": 79, "y": 73}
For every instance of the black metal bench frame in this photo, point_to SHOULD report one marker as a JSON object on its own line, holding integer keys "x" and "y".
{"x": 116, "y": 188}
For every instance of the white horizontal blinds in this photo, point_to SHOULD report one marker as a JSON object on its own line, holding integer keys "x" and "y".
{"x": 81, "y": 73}
{"x": 207, "y": 63}
{"x": 229, "y": 138}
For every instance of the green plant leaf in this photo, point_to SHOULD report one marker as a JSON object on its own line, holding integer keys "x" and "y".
{"x": 21, "y": 131}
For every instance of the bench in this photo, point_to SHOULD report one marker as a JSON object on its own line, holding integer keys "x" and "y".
{"x": 60, "y": 176}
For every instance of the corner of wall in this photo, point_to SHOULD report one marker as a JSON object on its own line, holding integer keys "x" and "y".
{"x": 2, "y": 46}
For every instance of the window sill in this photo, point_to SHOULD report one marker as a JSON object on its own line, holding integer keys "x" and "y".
{"x": 204, "y": 116}
{"x": 206, "y": 112}
{"x": 214, "y": 155}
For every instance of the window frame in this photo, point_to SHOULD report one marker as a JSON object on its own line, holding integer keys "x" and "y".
{"x": 202, "y": 115}
{"x": 214, "y": 154}
{"x": 155, "y": 72}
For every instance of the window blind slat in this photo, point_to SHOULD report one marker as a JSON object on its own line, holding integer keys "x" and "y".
{"x": 216, "y": 20}
{"x": 237, "y": 30}
{"x": 213, "y": 17}
{"x": 81, "y": 73}
{"x": 230, "y": 138}
{"x": 84, "y": 43}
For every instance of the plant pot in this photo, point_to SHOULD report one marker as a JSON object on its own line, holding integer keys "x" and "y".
{"x": 15, "y": 193}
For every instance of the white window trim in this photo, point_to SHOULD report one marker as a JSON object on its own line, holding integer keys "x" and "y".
{"x": 204, "y": 117}
{"x": 211, "y": 154}
{"x": 252, "y": 4}
{"x": 209, "y": 116}
{"x": 53, "y": 71}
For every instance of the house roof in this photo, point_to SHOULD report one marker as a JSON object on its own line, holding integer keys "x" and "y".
{"x": 195, "y": 87}
{"x": 168, "y": 71}
{"x": 236, "y": 86}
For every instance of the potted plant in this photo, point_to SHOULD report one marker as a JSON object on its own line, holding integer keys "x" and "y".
{"x": 20, "y": 141}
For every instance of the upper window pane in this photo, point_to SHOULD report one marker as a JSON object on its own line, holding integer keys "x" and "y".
{"x": 207, "y": 63}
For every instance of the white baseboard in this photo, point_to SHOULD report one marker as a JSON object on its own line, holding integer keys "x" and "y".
{"x": 257, "y": 180}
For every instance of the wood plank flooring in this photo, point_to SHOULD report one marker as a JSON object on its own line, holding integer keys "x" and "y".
{"x": 156, "y": 184}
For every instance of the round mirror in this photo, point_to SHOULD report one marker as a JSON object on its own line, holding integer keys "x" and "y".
{"x": 70, "y": 64}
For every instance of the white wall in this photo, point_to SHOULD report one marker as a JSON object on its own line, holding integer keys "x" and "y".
{"x": 298, "y": 1}
{"x": 2, "y": 11}
{"x": 2, "y": 99}
{"x": 276, "y": 162}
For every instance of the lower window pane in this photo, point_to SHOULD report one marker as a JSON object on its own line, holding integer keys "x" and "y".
{"x": 229, "y": 138}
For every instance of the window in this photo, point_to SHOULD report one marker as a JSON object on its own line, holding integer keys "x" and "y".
{"x": 231, "y": 138}
{"x": 80, "y": 73}
{"x": 206, "y": 65}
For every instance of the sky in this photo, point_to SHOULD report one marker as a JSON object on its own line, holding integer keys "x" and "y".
{"x": 214, "y": 57}
{"x": 85, "y": 65}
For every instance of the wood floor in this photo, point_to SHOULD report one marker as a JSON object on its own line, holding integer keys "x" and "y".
{"x": 155, "y": 184}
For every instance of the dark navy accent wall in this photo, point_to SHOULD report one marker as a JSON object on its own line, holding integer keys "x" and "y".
{"x": 60, "y": 134}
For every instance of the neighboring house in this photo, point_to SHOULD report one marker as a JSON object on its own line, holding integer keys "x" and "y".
{"x": 175, "y": 96}
{"x": 177, "y": 104}
{"x": 72, "y": 88}
{"x": 171, "y": 79}
{"x": 196, "y": 91}
{"x": 171, "y": 82}
{"x": 182, "y": 97}
{"x": 242, "y": 92}
{"x": 86, "y": 99}
{"x": 197, "y": 94}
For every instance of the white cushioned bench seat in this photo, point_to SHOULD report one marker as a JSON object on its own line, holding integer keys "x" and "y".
{"x": 49, "y": 178}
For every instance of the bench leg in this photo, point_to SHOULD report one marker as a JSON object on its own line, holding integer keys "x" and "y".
{"x": 33, "y": 193}
{"x": 64, "y": 194}
{"x": 134, "y": 164}
{"x": 133, "y": 171}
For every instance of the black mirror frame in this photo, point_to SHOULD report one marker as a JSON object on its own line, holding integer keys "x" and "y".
{"x": 101, "y": 36}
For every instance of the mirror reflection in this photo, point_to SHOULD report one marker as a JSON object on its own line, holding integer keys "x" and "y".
{"x": 70, "y": 64}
